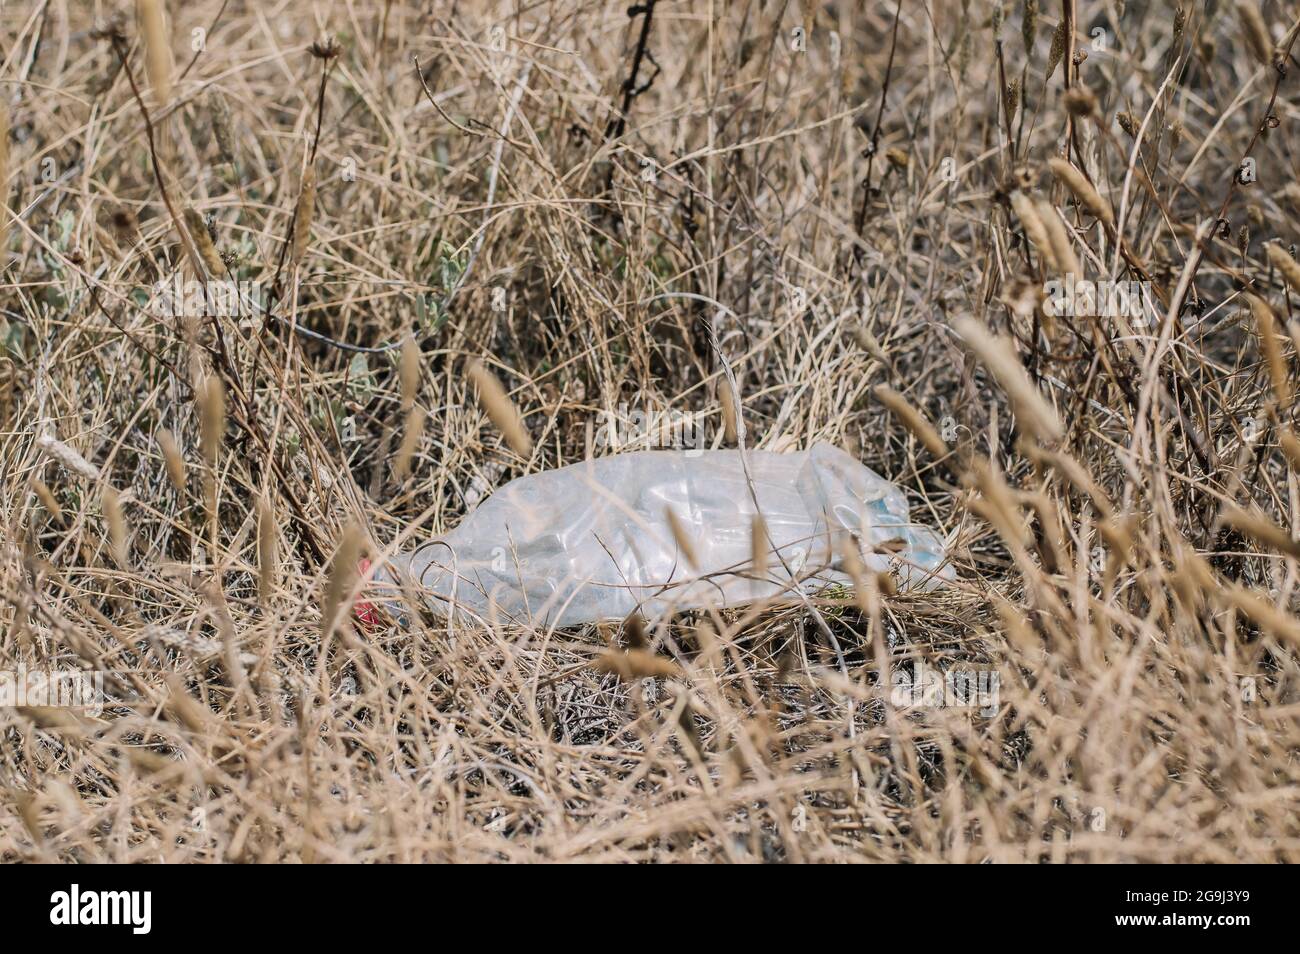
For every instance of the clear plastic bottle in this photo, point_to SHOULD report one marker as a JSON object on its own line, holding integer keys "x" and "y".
{"x": 593, "y": 541}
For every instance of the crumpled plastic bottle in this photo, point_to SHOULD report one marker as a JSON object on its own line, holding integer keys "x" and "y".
{"x": 592, "y": 541}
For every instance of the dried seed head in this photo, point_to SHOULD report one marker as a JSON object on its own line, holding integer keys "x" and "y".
{"x": 1028, "y": 25}
{"x": 158, "y": 51}
{"x": 344, "y": 569}
{"x": 1011, "y": 98}
{"x": 303, "y": 213}
{"x": 996, "y": 503}
{"x": 409, "y": 372}
{"x": 412, "y": 430}
{"x": 124, "y": 222}
{"x": 1128, "y": 123}
{"x": 1285, "y": 264}
{"x": 912, "y": 419}
{"x": 1057, "y": 52}
{"x": 1059, "y": 238}
{"x": 1027, "y": 212}
{"x": 727, "y": 400}
{"x": 1256, "y": 31}
{"x": 202, "y": 239}
{"x": 682, "y": 538}
{"x": 113, "y": 29}
{"x": 212, "y": 418}
{"x": 1080, "y": 101}
{"x": 852, "y": 565}
{"x": 1175, "y": 134}
{"x": 173, "y": 459}
{"x": 634, "y": 634}
{"x": 500, "y": 409}
{"x": 116, "y": 521}
{"x": 1260, "y": 529}
{"x": 1291, "y": 194}
{"x": 66, "y": 456}
{"x": 184, "y": 708}
{"x": 1283, "y": 46}
{"x": 1032, "y": 409}
{"x": 630, "y": 665}
{"x": 1262, "y": 612}
{"x": 1266, "y": 328}
{"x": 758, "y": 545}
{"x": 1290, "y": 446}
{"x": 1083, "y": 190}
{"x": 222, "y": 132}
{"x": 1023, "y": 297}
{"x": 326, "y": 48}
{"x": 267, "y": 557}
{"x": 1117, "y": 530}
{"x": 48, "y": 500}
{"x": 965, "y": 50}
{"x": 868, "y": 343}
{"x": 885, "y": 584}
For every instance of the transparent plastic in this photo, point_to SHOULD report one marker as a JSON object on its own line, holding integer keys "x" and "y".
{"x": 592, "y": 541}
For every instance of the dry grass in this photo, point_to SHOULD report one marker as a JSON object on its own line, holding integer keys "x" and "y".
{"x": 175, "y": 491}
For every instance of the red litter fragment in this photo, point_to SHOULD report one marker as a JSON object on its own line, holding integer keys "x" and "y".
{"x": 363, "y": 610}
